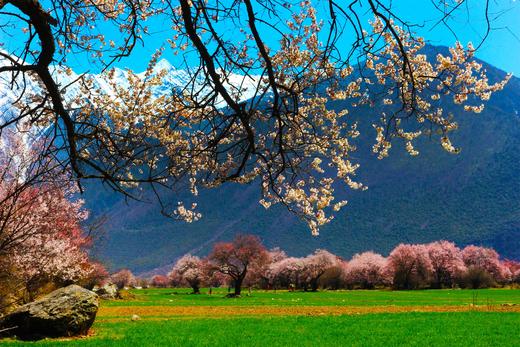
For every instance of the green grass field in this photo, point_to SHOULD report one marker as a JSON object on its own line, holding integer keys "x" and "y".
{"x": 182, "y": 297}
{"x": 173, "y": 317}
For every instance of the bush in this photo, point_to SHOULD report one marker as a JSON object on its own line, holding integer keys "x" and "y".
{"x": 332, "y": 278}
{"x": 476, "y": 278}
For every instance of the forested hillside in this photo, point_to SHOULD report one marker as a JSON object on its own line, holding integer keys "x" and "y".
{"x": 472, "y": 197}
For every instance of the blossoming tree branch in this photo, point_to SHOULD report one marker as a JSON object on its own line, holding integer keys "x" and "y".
{"x": 297, "y": 57}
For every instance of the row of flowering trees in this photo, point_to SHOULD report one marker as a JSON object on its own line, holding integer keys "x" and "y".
{"x": 246, "y": 262}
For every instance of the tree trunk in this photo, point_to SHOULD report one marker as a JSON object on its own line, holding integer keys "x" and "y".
{"x": 314, "y": 285}
{"x": 238, "y": 287}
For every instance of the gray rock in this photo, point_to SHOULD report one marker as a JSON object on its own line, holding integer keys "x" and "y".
{"x": 67, "y": 311}
{"x": 108, "y": 291}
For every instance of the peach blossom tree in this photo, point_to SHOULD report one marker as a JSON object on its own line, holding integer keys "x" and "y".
{"x": 366, "y": 270}
{"x": 160, "y": 281}
{"x": 41, "y": 234}
{"x": 123, "y": 278}
{"x": 239, "y": 259}
{"x": 447, "y": 263}
{"x": 484, "y": 259}
{"x": 287, "y": 272}
{"x": 315, "y": 265}
{"x": 191, "y": 270}
{"x": 409, "y": 266}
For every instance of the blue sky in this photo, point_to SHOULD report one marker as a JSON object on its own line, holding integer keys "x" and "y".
{"x": 502, "y": 47}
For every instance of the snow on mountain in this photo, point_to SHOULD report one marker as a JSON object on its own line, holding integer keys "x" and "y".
{"x": 175, "y": 79}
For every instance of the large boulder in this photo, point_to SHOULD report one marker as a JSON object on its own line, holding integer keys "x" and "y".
{"x": 67, "y": 311}
{"x": 107, "y": 291}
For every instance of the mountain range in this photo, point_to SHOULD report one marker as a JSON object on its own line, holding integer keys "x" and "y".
{"x": 471, "y": 197}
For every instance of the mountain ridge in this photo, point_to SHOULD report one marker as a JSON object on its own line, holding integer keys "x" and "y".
{"x": 473, "y": 197}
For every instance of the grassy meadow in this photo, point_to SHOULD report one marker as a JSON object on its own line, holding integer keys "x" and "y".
{"x": 173, "y": 317}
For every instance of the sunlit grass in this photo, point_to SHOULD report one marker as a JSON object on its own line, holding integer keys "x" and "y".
{"x": 421, "y": 329}
{"x": 182, "y": 297}
{"x": 173, "y": 317}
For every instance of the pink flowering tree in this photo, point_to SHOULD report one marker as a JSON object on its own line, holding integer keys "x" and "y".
{"x": 484, "y": 259}
{"x": 286, "y": 272}
{"x": 409, "y": 266}
{"x": 447, "y": 263}
{"x": 236, "y": 259}
{"x": 514, "y": 270}
{"x": 175, "y": 280}
{"x": 276, "y": 254}
{"x": 123, "y": 278}
{"x": 98, "y": 276}
{"x": 191, "y": 270}
{"x": 261, "y": 275}
{"x": 160, "y": 281}
{"x": 315, "y": 265}
{"x": 41, "y": 236}
{"x": 366, "y": 270}
{"x": 334, "y": 277}
{"x": 215, "y": 279}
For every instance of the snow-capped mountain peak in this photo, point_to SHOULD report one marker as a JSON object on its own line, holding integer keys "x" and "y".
{"x": 173, "y": 79}
{"x": 163, "y": 64}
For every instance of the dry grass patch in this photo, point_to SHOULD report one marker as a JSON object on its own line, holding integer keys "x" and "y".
{"x": 226, "y": 311}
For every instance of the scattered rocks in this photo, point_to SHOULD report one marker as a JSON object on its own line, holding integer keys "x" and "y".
{"x": 68, "y": 311}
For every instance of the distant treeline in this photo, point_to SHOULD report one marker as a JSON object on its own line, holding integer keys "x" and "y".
{"x": 245, "y": 262}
